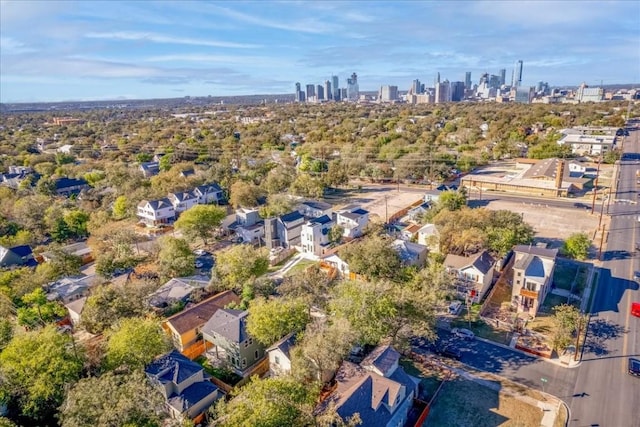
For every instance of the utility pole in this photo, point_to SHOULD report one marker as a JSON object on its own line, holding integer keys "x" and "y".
{"x": 386, "y": 211}
{"x": 595, "y": 186}
{"x": 601, "y": 242}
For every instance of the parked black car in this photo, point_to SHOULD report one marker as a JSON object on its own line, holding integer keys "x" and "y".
{"x": 450, "y": 352}
{"x": 634, "y": 367}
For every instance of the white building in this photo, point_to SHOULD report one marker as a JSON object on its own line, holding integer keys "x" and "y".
{"x": 474, "y": 273}
{"x": 209, "y": 193}
{"x": 183, "y": 200}
{"x": 154, "y": 212}
{"x": 429, "y": 236}
{"x": 591, "y": 145}
{"x": 532, "y": 277}
{"x": 353, "y": 219}
{"x": 279, "y": 357}
{"x": 314, "y": 237}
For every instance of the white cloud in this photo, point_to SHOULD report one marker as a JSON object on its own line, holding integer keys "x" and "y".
{"x": 10, "y": 46}
{"x": 161, "y": 38}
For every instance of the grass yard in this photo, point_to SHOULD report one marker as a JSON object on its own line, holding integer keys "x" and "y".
{"x": 463, "y": 403}
{"x": 429, "y": 382}
{"x": 479, "y": 327}
{"x": 299, "y": 267}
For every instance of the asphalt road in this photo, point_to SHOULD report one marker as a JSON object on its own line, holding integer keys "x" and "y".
{"x": 604, "y": 394}
{"x": 515, "y": 365}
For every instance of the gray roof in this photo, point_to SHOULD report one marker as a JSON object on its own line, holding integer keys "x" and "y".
{"x": 156, "y": 204}
{"x": 383, "y": 358}
{"x": 198, "y": 315}
{"x": 315, "y": 204}
{"x": 408, "y": 250}
{"x": 177, "y": 289}
{"x": 534, "y": 250}
{"x": 285, "y": 344}
{"x": 183, "y": 195}
{"x": 481, "y": 261}
{"x": 228, "y": 323}
{"x": 193, "y": 395}
{"x": 172, "y": 367}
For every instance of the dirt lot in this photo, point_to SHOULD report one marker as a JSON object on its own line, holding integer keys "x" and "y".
{"x": 552, "y": 224}
{"x": 454, "y": 408}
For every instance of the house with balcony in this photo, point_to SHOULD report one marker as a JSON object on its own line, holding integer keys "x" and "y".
{"x": 185, "y": 327}
{"x": 314, "y": 209}
{"x": 185, "y": 386}
{"x": 209, "y": 193}
{"x": 182, "y": 201}
{"x": 315, "y": 235}
{"x": 248, "y": 226}
{"x": 156, "y": 212}
{"x": 283, "y": 231}
{"x": 378, "y": 389}
{"x": 473, "y": 274}
{"x": 353, "y": 219}
{"x": 533, "y": 269}
{"x": 226, "y": 333}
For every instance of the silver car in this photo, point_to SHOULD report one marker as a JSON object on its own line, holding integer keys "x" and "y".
{"x": 462, "y": 333}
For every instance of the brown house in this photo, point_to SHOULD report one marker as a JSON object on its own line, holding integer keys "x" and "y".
{"x": 185, "y": 327}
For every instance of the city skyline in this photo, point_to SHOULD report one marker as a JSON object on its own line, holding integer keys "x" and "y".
{"x": 55, "y": 51}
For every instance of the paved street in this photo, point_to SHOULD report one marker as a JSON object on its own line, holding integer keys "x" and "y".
{"x": 604, "y": 394}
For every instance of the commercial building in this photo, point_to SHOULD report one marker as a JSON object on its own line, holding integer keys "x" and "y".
{"x": 589, "y": 94}
{"x": 467, "y": 80}
{"x": 328, "y": 95}
{"x": 335, "y": 84}
{"x": 353, "y": 90}
{"x": 516, "y": 79}
{"x": 457, "y": 91}
{"x": 388, "y": 93}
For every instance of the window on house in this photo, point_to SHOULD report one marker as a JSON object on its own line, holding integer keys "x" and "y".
{"x": 519, "y": 273}
{"x": 244, "y": 363}
{"x": 517, "y": 282}
{"x": 250, "y": 341}
{"x": 256, "y": 353}
{"x": 277, "y": 360}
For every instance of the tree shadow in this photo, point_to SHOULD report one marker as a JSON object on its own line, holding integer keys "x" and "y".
{"x": 599, "y": 333}
{"x": 479, "y": 203}
{"x": 616, "y": 254}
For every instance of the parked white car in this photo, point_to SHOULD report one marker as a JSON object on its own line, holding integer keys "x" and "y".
{"x": 464, "y": 334}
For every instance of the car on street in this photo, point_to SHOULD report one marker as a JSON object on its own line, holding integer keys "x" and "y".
{"x": 634, "y": 367}
{"x": 199, "y": 252}
{"x": 450, "y": 352}
{"x": 464, "y": 334}
{"x": 455, "y": 307}
{"x": 635, "y": 309}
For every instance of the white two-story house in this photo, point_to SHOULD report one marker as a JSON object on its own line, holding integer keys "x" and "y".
{"x": 353, "y": 219}
{"x": 532, "y": 277}
{"x": 315, "y": 235}
{"x": 183, "y": 200}
{"x": 209, "y": 193}
{"x": 155, "y": 212}
{"x": 283, "y": 231}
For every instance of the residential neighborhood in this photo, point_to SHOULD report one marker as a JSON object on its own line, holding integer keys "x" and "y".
{"x": 292, "y": 283}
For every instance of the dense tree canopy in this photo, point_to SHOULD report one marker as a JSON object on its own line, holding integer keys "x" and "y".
{"x": 135, "y": 342}
{"x": 201, "y": 221}
{"x": 175, "y": 258}
{"x": 240, "y": 263}
{"x": 270, "y": 320}
{"x": 577, "y": 246}
{"x": 373, "y": 257}
{"x": 36, "y": 366}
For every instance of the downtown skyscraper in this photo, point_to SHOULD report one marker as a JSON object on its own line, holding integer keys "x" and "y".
{"x": 516, "y": 79}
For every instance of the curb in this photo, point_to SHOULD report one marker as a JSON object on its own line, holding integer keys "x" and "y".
{"x": 562, "y": 365}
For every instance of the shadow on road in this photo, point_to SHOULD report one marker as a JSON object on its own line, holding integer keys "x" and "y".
{"x": 600, "y": 332}
{"x": 611, "y": 255}
{"x": 610, "y": 292}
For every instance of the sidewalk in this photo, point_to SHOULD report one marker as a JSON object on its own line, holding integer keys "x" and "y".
{"x": 565, "y": 361}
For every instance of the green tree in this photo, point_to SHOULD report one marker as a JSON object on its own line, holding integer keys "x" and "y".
{"x": 175, "y": 258}
{"x": 452, "y": 200}
{"x": 373, "y": 257}
{"x": 36, "y": 367}
{"x": 337, "y": 174}
{"x": 238, "y": 264}
{"x": 270, "y": 320}
{"x": 311, "y": 285}
{"x": 272, "y": 402}
{"x": 120, "y": 207}
{"x": 201, "y": 221}
{"x": 323, "y": 347}
{"x": 243, "y": 194}
{"x": 109, "y": 304}
{"x": 77, "y": 222}
{"x": 335, "y": 234}
{"x": 577, "y": 246}
{"x": 112, "y": 400}
{"x": 565, "y": 319}
{"x": 307, "y": 186}
{"x": 135, "y": 342}
{"x": 368, "y": 307}
{"x": 37, "y": 310}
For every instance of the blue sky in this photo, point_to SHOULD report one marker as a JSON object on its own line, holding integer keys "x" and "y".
{"x": 81, "y": 50}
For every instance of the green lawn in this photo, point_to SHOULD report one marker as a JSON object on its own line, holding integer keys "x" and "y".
{"x": 429, "y": 382}
{"x": 465, "y": 403}
{"x": 479, "y": 327}
{"x": 300, "y": 266}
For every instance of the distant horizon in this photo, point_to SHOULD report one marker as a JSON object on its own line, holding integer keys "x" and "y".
{"x": 60, "y": 51}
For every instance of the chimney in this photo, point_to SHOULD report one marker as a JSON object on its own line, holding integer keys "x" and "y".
{"x": 559, "y": 174}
